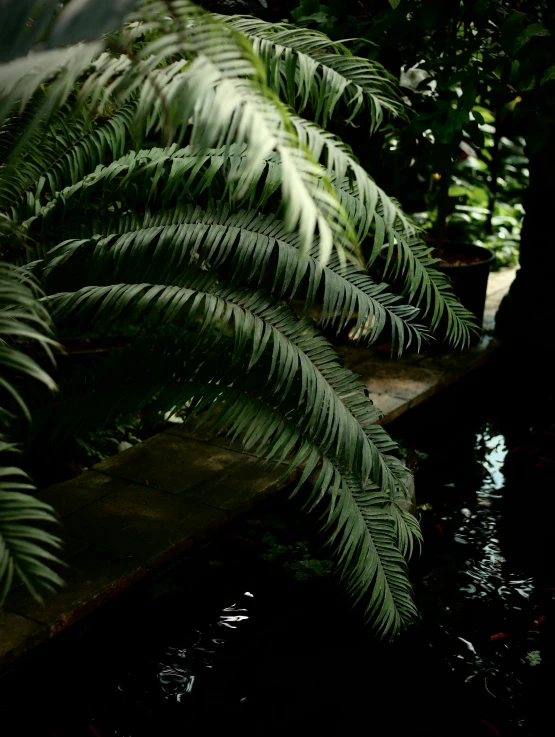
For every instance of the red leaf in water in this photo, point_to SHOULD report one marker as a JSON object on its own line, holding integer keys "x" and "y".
{"x": 538, "y": 621}
{"x": 499, "y": 636}
{"x": 439, "y": 529}
{"x": 94, "y": 731}
{"x": 490, "y": 726}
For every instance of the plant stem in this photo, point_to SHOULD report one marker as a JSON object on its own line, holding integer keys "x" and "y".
{"x": 442, "y": 207}
{"x": 494, "y": 171}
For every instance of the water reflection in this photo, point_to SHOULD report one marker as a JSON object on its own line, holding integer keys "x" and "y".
{"x": 482, "y": 623}
{"x": 483, "y": 630}
{"x": 183, "y": 665}
{"x": 479, "y": 528}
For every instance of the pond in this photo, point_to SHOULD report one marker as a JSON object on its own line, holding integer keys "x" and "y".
{"x": 252, "y": 638}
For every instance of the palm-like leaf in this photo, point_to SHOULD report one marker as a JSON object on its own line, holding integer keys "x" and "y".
{"x": 216, "y": 91}
{"x": 61, "y": 155}
{"x": 158, "y": 246}
{"x": 172, "y": 173}
{"x": 305, "y": 66}
{"x": 22, "y": 318}
{"x": 25, "y": 547}
{"x": 259, "y": 326}
{"x": 27, "y": 550}
{"x": 191, "y": 250}
{"x": 278, "y": 417}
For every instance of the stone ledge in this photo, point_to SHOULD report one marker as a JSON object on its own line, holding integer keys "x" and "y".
{"x": 413, "y": 379}
{"x": 127, "y": 518}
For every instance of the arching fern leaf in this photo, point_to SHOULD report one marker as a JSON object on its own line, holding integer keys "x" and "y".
{"x": 180, "y": 201}
{"x": 26, "y": 548}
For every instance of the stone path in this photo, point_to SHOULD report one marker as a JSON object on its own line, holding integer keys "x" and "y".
{"x": 131, "y": 514}
{"x": 396, "y": 386}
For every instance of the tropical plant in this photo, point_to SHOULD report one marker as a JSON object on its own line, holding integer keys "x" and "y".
{"x": 174, "y": 196}
{"x": 27, "y": 547}
{"x": 458, "y": 72}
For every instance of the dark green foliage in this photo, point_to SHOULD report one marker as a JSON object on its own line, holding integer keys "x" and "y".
{"x": 479, "y": 79}
{"x": 26, "y": 544}
{"x": 185, "y": 215}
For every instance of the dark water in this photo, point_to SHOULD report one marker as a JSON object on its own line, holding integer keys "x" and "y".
{"x": 235, "y": 644}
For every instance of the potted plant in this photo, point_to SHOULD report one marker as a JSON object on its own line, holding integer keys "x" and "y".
{"x": 468, "y": 267}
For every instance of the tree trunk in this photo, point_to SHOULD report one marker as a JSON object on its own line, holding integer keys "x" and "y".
{"x": 527, "y": 314}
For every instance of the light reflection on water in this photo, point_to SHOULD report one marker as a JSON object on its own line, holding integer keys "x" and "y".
{"x": 479, "y": 528}
{"x": 486, "y": 582}
{"x": 469, "y": 634}
{"x": 181, "y": 666}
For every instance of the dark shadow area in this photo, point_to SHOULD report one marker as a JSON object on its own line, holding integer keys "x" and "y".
{"x": 253, "y": 637}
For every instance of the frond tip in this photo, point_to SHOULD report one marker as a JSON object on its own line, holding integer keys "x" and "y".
{"x": 27, "y": 549}
{"x": 22, "y": 317}
{"x": 305, "y": 65}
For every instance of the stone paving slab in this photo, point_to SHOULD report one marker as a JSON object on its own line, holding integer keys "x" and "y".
{"x": 69, "y": 496}
{"x": 92, "y": 577}
{"x": 117, "y": 531}
{"x": 144, "y": 523}
{"x": 195, "y": 430}
{"x": 161, "y": 463}
{"x": 17, "y": 634}
{"x": 397, "y": 385}
{"x": 131, "y": 514}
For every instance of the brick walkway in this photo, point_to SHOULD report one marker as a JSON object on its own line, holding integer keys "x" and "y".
{"x": 131, "y": 514}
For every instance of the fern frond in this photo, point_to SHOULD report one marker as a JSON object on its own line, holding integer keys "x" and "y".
{"x": 27, "y": 550}
{"x": 328, "y": 397}
{"x": 189, "y": 171}
{"x": 306, "y": 67}
{"x": 259, "y": 326}
{"x": 61, "y": 68}
{"x": 193, "y": 172}
{"x": 276, "y": 426}
{"x": 60, "y": 156}
{"x": 412, "y": 261}
{"x": 23, "y": 318}
{"x": 246, "y": 243}
{"x": 354, "y": 518}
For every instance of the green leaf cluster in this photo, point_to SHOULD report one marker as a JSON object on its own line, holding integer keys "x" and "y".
{"x": 28, "y": 546}
{"x": 171, "y": 193}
